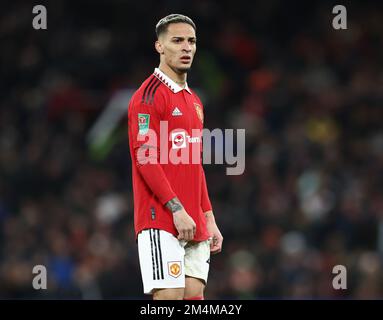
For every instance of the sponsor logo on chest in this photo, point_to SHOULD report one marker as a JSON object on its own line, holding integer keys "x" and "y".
{"x": 179, "y": 139}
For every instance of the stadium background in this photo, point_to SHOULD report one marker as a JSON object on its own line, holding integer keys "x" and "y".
{"x": 309, "y": 97}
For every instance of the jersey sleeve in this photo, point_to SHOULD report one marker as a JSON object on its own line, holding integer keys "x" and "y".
{"x": 205, "y": 201}
{"x": 144, "y": 136}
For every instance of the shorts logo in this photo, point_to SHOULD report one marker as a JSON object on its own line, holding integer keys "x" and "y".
{"x": 143, "y": 123}
{"x": 178, "y": 140}
{"x": 174, "y": 268}
{"x": 198, "y": 109}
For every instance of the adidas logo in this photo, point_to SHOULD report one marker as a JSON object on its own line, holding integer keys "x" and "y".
{"x": 176, "y": 112}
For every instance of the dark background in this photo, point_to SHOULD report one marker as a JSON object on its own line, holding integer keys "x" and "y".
{"x": 309, "y": 97}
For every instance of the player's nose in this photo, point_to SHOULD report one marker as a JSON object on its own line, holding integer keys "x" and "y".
{"x": 186, "y": 46}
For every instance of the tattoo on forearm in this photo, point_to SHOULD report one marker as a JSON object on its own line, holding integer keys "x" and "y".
{"x": 174, "y": 205}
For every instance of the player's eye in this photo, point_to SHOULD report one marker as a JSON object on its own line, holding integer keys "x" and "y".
{"x": 192, "y": 41}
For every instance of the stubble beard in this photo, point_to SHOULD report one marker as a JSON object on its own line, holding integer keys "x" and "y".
{"x": 180, "y": 70}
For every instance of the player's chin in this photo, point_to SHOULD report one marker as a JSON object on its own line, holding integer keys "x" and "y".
{"x": 184, "y": 68}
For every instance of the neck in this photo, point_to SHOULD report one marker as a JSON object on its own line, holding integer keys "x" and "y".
{"x": 179, "y": 78}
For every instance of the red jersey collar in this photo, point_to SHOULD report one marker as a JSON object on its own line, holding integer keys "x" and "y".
{"x": 169, "y": 82}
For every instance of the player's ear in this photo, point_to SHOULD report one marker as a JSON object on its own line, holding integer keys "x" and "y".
{"x": 159, "y": 47}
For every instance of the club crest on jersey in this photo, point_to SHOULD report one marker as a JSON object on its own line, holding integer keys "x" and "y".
{"x": 174, "y": 268}
{"x": 143, "y": 123}
{"x": 198, "y": 109}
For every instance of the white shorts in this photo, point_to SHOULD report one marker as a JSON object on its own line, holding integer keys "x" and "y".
{"x": 165, "y": 261}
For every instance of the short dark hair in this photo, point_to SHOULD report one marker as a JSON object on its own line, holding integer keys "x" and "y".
{"x": 163, "y": 24}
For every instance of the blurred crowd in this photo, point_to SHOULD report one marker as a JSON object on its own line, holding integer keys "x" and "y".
{"x": 311, "y": 101}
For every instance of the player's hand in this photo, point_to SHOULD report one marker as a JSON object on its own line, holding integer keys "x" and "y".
{"x": 184, "y": 224}
{"x": 216, "y": 236}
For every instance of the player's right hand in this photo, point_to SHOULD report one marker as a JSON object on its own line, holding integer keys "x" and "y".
{"x": 184, "y": 224}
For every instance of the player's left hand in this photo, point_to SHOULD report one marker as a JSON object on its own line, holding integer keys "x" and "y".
{"x": 216, "y": 236}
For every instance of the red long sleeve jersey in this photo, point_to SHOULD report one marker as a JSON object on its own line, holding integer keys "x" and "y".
{"x": 175, "y": 116}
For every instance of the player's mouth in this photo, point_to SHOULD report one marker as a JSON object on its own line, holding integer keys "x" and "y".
{"x": 185, "y": 59}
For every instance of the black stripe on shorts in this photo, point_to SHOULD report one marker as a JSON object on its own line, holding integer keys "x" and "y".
{"x": 160, "y": 252}
{"x": 152, "y": 249}
{"x": 156, "y": 252}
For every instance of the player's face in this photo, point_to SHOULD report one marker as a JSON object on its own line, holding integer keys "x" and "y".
{"x": 179, "y": 46}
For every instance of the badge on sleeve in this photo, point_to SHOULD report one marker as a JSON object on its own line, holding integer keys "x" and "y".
{"x": 143, "y": 123}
